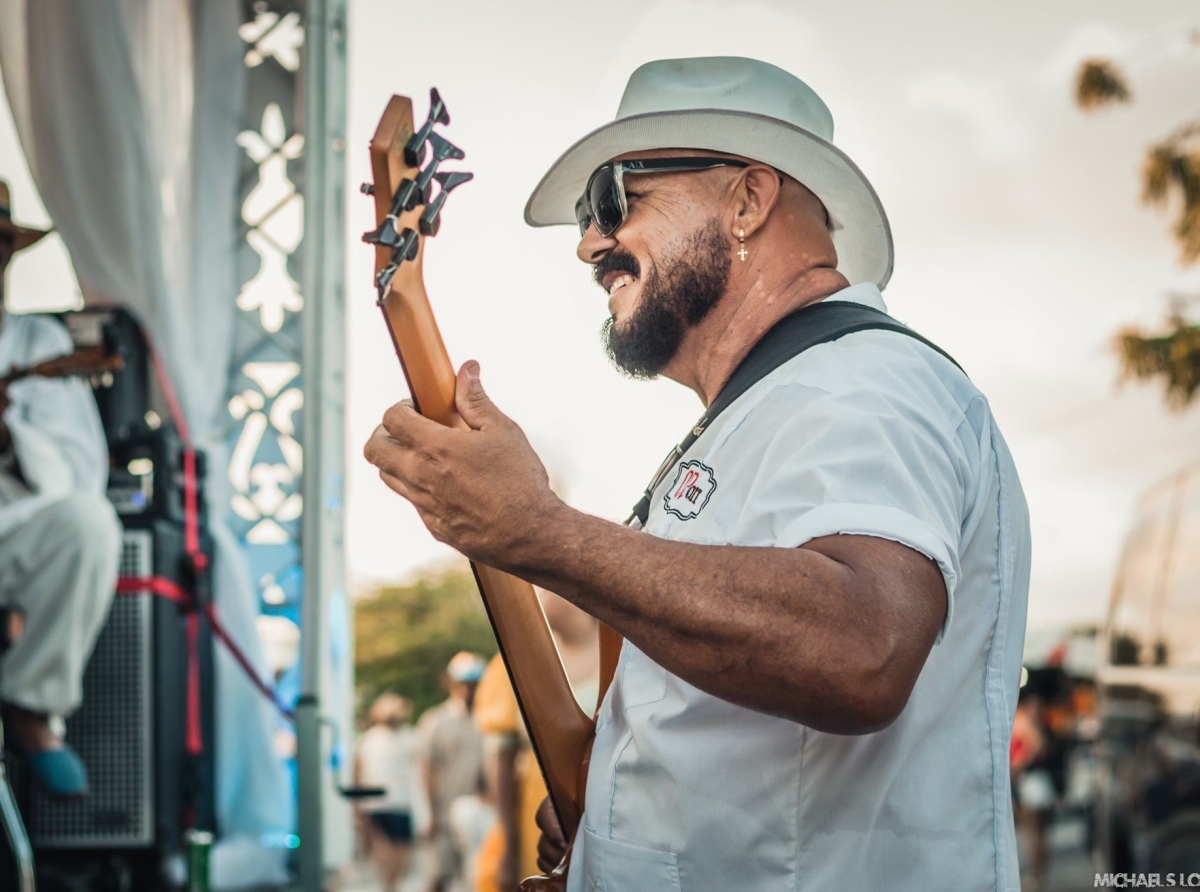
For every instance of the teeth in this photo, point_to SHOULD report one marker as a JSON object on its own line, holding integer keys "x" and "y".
{"x": 621, "y": 283}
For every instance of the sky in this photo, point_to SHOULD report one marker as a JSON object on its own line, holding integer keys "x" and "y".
{"x": 1021, "y": 243}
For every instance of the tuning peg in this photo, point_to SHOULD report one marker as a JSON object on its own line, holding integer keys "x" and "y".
{"x": 437, "y": 109}
{"x": 410, "y": 194}
{"x": 431, "y": 220}
{"x": 414, "y": 149}
{"x": 384, "y": 234}
{"x": 452, "y": 180}
{"x": 409, "y": 243}
{"x": 442, "y": 149}
{"x": 375, "y": 236}
{"x": 384, "y": 278}
{"x": 367, "y": 188}
{"x": 406, "y": 248}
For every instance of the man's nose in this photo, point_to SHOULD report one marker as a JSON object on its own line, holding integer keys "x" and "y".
{"x": 593, "y": 246}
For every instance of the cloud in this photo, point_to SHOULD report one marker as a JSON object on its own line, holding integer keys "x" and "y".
{"x": 998, "y": 133}
{"x": 685, "y": 28}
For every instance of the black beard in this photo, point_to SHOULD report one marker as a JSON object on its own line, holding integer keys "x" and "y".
{"x": 676, "y": 296}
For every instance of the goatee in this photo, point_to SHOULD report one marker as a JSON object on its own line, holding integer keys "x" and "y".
{"x": 676, "y": 295}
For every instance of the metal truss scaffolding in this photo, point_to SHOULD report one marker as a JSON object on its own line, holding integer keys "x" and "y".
{"x": 287, "y": 388}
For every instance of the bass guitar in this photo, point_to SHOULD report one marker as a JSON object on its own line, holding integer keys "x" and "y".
{"x": 410, "y": 192}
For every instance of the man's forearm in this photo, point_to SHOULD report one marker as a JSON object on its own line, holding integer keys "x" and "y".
{"x": 788, "y": 631}
{"x": 832, "y": 634}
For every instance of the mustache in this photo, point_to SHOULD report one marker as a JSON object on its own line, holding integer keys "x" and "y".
{"x": 615, "y": 261}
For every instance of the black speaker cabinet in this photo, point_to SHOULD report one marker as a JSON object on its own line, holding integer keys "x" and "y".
{"x": 131, "y": 732}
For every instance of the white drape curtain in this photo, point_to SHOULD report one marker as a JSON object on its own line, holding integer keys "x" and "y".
{"x": 127, "y": 111}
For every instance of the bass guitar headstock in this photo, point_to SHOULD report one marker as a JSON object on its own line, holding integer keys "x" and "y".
{"x": 410, "y": 192}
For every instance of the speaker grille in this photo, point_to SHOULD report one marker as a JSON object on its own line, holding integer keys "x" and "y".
{"x": 112, "y": 730}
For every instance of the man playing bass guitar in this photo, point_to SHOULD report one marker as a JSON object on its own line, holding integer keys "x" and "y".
{"x": 823, "y": 628}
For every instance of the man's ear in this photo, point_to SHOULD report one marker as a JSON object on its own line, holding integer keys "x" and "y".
{"x": 756, "y": 193}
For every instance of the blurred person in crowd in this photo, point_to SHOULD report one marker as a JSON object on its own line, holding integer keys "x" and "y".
{"x": 1033, "y": 789}
{"x": 1085, "y": 708}
{"x": 515, "y": 785}
{"x": 452, "y": 757}
{"x": 472, "y": 818}
{"x": 387, "y": 757}
{"x": 1082, "y": 773}
{"x": 1053, "y": 687}
{"x": 60, "y": 539}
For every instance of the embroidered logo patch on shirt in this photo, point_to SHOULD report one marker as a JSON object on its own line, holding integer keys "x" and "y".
{"x": 693, "y": 487}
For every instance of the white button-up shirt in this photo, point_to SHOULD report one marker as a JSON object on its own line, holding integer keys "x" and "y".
{"x": 873, "y": 434}
{"x": 56, "y": 434}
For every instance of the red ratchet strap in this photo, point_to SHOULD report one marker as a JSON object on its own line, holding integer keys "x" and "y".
{"x": 172, "y": 591}
{"x": 191, "y": 538}
{"x": 236, "y": 652}
{"x": 166, "y": 588}
{"x": 169, "y": 589}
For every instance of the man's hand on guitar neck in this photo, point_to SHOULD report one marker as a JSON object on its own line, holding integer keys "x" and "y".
{"x": 482, "y": 491}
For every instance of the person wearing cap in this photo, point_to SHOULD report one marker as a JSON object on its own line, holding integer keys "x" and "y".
{"x": 59, "y": 536}
{"x": 823, "y": 628}
{"x": 452, "y": 762}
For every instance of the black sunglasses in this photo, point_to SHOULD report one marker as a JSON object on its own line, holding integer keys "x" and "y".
{"x": 603, "y": 201}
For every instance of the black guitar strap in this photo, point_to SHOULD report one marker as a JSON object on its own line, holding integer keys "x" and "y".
{"x": 791, "y": 336}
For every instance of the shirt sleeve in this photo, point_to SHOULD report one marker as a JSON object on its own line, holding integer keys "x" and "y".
{"x": 55, "y": 425}
{"x": 867, "y": 463}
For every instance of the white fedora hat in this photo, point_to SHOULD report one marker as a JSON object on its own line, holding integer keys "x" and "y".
{"x": 739, "y": 107}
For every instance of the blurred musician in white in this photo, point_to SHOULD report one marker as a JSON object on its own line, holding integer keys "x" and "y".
{"x": 59, "y": 536}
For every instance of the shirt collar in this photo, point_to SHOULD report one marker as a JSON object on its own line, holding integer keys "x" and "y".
{"x": 865, "y": 293}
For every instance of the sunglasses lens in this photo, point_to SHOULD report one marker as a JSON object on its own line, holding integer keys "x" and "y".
{"x": 604, "y": 201}
{"x": 583, "y": 216}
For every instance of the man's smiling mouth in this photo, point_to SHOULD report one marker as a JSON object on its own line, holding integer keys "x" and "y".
{"x": 614, "y": 283}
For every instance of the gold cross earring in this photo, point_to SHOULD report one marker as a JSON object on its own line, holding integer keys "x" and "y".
{"x": 742, "y": 253}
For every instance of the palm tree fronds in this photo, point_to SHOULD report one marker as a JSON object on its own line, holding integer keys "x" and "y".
{"x": 1171, "y": 355}
{"x": 1100, "y": 83}
{"x": 1187, "y": 232}
{"x": 1173, "y": 167}
{"x": 1187, "y": 228}
{"x": 1156, "y": 173}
